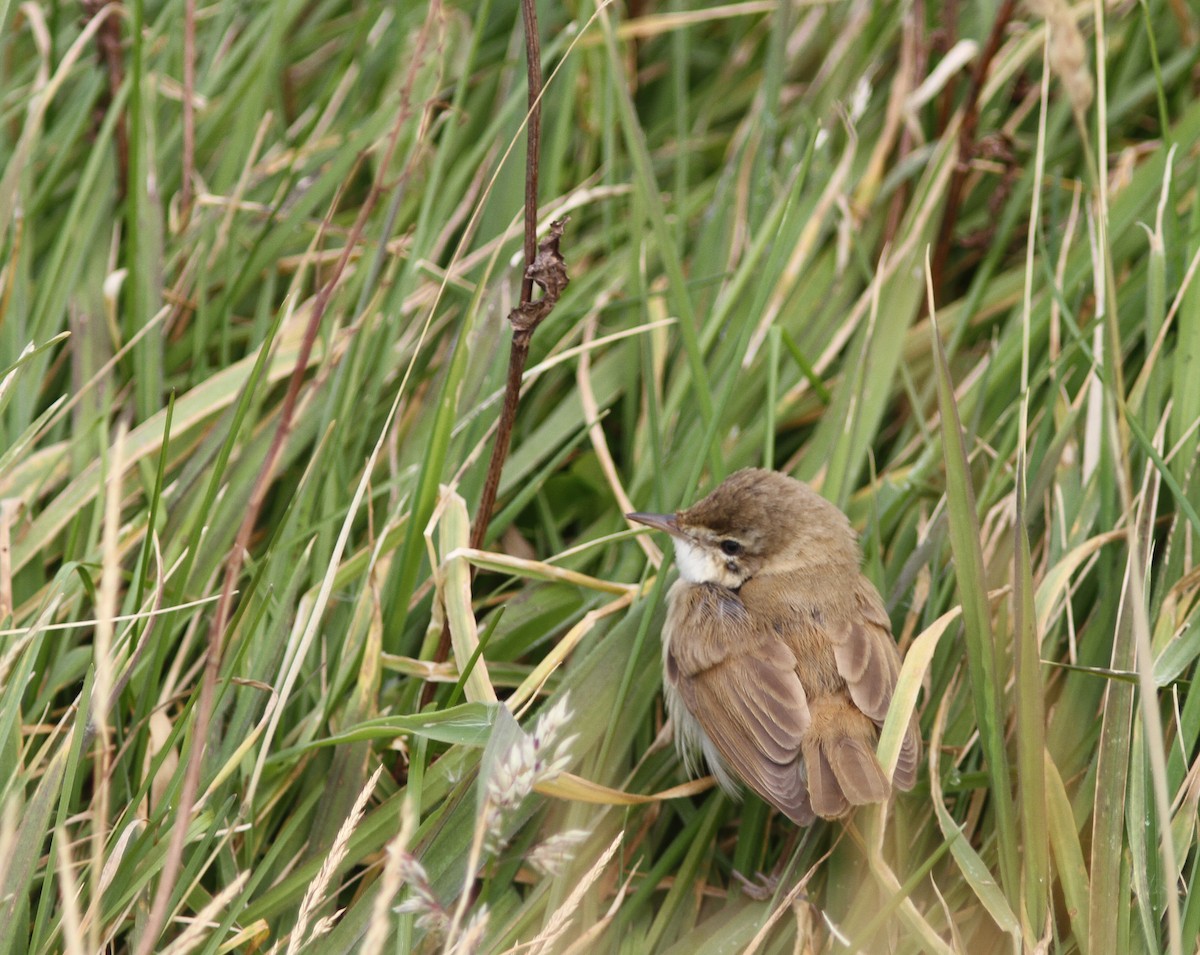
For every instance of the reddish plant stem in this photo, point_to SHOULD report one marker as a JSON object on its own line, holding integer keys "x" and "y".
{"x": 108, "y": 45}
{"x": 543, "y": 267}
{"x": 519, "y": 351}
{"x": 966, "y": 142}
{"x": 173, "y": 861}
{"x": 533, "y": 154}
{"x": 920, "y": 59}
{"x": 189, "y": 110}
{"x": 947, "y": 36}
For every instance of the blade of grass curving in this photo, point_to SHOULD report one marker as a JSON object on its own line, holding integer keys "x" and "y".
{"x": 484, "y": 639}
{"x": 1108, "y": 895}
{"x": 9, "y": 376}
{"x": 1142, "y": 830}
{"x": 1068, "y": 854}
{"x": 453, "y": 535}
{"x": 974, "y": 870}
{"x": 1030, "y": 729}
{"x": 982, "y": 661}
{"x": 897, "y": 898}
{"x": 908, "y": 686}
{"x": 21, "y": 866}
{"x": 468, "y": 724}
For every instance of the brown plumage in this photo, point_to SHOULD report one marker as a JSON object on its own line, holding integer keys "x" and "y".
{"x": 778, "y": 658}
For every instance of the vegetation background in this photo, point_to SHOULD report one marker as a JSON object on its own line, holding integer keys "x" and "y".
{"x": 257, "y": 262}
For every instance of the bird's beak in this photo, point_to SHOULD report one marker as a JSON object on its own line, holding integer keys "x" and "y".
{"x": 660, "y": 522}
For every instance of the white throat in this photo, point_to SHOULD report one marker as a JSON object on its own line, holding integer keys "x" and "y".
{"x": 697, "y": 565}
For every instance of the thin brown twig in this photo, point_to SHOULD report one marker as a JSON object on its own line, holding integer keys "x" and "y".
{"x": 913, "y": 49}
{"x": 966, "y": 141}
{"x": 946, "y": 36}
{"x": 549, "y": 273}
{"x": 108, "y": 46}
{"x": 533, "y": 141}
{"x": 189, "y": 110}
{"x": 173, "y": 860}
{"x": 544, "y": 267}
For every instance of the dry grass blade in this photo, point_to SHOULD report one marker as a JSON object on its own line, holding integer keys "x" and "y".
{"x": 913, "y": 675}
{"x": 577, "y": 789}
{"x": 538, "y": 570}
{"x": 390, "y": 882}
{"x": 982, "y": 658}
{"x": 317, "y": 893}
{"x": 196, "y": 934}
{"x": 74, "y": 939}
{"x": 454, "y": 587}
{"x": 561, "y": 917}
{"x": 973, "y": 869}
{"x": 331, "y": 213}
{"x": 524, "y": 695}
{"x": 600, "y": 444}
{"x": 584, "y": 942}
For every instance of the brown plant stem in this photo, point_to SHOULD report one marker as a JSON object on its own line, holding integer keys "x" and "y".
{"x": 108, "y": 46}
{"x": 966, "y": 141}
{"x": 173, "y": 860}
{"x": 946, "y": 36}
{"x": 544, "y": 267}
{"x": 914, "y": 35}
{"x": 549, "y": 273}
{"x": 189, "y": 110}
{"x": 533, "y": 155}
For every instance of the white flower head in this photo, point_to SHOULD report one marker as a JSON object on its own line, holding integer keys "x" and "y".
{"x": 472, "y": 934}
{"x": 550, "y": 857}
{"x": 431, "y": 914}
{"x": 536, "y": 757}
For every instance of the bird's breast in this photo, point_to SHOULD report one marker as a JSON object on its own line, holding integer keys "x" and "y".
{"x": 704, "y": 625}
{"x": 798, "y": 610}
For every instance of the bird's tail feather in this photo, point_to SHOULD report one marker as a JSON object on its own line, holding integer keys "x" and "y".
{"x": 843, "y": 771}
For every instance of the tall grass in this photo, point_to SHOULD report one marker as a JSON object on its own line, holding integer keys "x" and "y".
{"x": 758, "y": 195}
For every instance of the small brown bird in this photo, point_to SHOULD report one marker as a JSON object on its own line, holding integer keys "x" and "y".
{"x": 778, "y": 658}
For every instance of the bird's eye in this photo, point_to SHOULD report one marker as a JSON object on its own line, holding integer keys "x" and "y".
{"x": 731, "y": 547}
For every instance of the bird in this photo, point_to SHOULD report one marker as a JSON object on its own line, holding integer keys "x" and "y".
{"x": 778, "y": 658}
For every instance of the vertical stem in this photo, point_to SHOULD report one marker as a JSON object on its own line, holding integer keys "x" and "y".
{"x": 967, "y": 139}
{"x": 189, "y": 112}
{"x": 543, "y": 267}
{"x": 519, "y": 351}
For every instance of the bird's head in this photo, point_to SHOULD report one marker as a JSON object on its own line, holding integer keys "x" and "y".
{"x": 756, "y": 523}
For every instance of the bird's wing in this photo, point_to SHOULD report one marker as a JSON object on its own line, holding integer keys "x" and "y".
{"x": 869, "y": 662}
{"x": 753, "y": 708}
